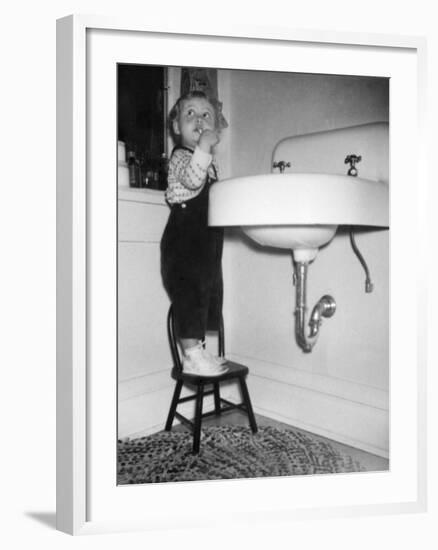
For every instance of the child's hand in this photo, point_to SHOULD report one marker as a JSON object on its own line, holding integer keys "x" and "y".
{"x": 208, "y": 140}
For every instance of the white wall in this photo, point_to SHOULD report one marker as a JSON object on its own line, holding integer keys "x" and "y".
{"x": 267, "y": 107}
{"x": 346, "y": 376}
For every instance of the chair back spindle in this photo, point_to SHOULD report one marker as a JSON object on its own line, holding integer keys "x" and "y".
{"x": 171, "y": 333}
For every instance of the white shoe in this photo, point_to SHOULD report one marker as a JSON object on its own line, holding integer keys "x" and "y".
{"x": 197, "y": 361}
{"x": 216, "y": 358}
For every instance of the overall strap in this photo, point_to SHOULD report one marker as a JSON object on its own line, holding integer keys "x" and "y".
{"x": 215, "y": 174}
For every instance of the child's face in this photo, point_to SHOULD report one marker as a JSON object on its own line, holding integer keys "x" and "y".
{"x": 196, "y": 115}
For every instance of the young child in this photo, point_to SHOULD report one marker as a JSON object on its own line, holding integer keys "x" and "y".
{"x": 191, "y": 252}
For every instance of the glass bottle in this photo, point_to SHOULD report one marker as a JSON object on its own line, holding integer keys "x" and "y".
{"x": 132, "y": 167}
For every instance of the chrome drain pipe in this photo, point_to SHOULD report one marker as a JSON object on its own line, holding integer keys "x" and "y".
{"x": 325, "y": 307}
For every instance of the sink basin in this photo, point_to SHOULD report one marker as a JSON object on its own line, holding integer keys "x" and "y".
{"x": 304, "y": 240}
{"x": 298, "y": 211}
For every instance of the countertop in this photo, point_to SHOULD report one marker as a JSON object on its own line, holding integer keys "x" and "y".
{"x": 149, "y": 196}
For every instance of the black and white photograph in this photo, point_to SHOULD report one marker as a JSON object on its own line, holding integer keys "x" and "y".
{"x": 253, "y": 274}
{"x": 219, "y": 298}
{"x": 219, "y": 275}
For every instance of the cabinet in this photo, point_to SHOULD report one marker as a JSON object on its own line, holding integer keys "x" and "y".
{"x": 142, "y": 114}
{"x": 144, "y": 360}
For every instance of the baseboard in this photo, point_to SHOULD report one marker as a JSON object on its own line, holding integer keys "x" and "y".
{"x": 346, "y": 412}
{"x": 341, "y": 410}
{"x": 143, "y": 404}
{"x": 318, "y": 430}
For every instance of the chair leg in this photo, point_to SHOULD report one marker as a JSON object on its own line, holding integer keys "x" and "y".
{"x": 247, "y": 403}
{"x": 198, "y": 419}
{"x": 173, "y": 406}
{"x": 217, "y": 398}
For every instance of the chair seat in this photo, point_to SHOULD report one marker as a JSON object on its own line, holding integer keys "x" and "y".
{"x": 235, "y": 370}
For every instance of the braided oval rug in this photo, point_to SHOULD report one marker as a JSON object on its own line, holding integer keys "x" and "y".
{"x": 227, "y": 452}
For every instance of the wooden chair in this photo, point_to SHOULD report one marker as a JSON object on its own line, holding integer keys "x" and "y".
{"x": 200, "y": 382}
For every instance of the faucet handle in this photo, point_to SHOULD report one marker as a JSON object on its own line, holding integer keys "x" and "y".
{"x": 281, "y": 164}
{"x": 352, "y": 160}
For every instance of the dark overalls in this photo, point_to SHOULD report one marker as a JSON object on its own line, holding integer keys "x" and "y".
{"x": 191, "y": 266}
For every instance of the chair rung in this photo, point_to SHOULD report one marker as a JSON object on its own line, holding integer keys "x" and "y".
{"x": 184, "y": 420}
{"x": 209, "y": 413}
{"x": 232, "y": 405}
{"x": 191, "y": 397}
{"x": 185, "y": 399}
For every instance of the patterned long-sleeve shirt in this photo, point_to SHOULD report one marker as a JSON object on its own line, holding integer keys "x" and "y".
{"x": 187, "y": 174}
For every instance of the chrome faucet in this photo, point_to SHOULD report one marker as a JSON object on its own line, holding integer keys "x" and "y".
{"x": 281, "y": 164}
{"x": 352, "y": 160}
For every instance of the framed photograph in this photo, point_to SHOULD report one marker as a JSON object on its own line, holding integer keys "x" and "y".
{"x": 315, "y": 131}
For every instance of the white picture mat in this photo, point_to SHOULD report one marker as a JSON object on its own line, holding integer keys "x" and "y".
{"x": 173, "y": 503}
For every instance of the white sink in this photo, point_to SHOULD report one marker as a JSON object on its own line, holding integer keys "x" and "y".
{"x": 298, "y": 211}
{"x": 304, "y": 240}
